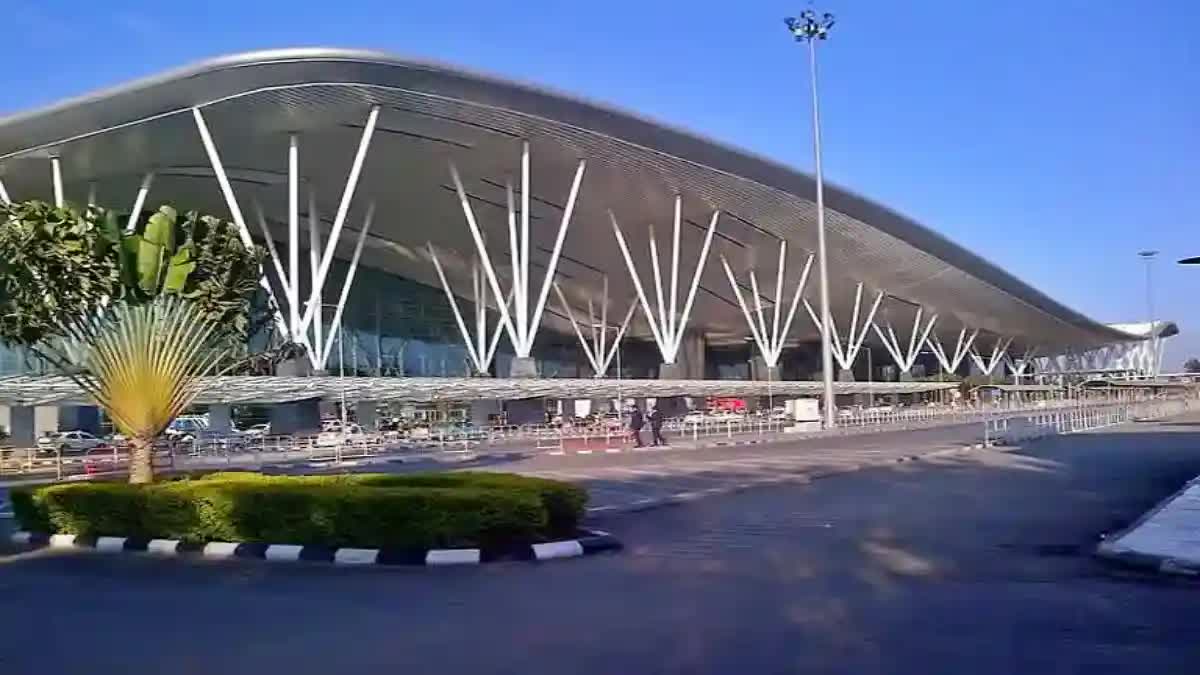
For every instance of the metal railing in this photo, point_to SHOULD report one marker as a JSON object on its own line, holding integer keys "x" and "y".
{"x": 1002, "y": 423}
{"x": 1021, "y": 428}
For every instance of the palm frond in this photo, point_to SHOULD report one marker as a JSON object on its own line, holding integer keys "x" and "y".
{"x": 142, "y": 362}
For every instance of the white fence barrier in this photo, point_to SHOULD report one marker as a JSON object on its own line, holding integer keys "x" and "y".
{"x": 1002, "y": 423}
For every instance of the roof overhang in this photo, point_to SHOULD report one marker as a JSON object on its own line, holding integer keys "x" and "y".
{"x": 432, "y": 113}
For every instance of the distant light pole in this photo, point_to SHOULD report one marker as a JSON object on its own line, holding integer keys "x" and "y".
{"x": 810, "y": 28}
{"x": 1148, "y": 257}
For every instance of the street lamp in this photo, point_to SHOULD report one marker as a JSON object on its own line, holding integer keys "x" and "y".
{"x": 810, "y": 28}
{"x": 1148, "y": 257}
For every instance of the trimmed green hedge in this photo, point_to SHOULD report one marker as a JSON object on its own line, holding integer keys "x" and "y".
{"x": 450, "y": 510}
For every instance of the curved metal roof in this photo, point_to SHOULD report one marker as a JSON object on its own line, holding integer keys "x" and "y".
{"x": 432, "y": 113}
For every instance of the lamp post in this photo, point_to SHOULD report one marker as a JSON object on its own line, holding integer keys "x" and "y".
{"x": 810, "y": 28}
{"x": 1148, "y": 257}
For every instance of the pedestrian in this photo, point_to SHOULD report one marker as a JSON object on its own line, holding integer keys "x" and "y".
{"x": 656, "y": 422}
{"x": 635, "y": 427}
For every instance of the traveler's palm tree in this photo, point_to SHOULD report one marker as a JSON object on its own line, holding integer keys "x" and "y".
{"x": 141, "y": 363}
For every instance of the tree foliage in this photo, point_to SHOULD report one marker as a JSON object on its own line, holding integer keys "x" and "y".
{"x": 59, "y": 263}
{"x": 1192, "y": 365}
{"x": 141, "y": 363}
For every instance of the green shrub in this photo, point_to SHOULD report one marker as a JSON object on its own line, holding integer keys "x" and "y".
{"x": 363, "y": 510}
{"x": 564, "y": 502}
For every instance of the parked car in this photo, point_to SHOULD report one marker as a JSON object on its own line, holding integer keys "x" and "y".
{"x": 332, "y": 433}
{"x": 187, "y": 427}
{"x": 68, "y": 441}
{"x": 258, "y": 430}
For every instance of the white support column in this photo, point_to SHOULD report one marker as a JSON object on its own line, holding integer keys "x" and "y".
{"x": 668, "y": 329}
{"x": 890, "y": 344}
{"x": 218, "y": 168}
{"x": 480, "y": 349}
{"x": 91, "y": 194}
{"x": 235, "y": 210}
{"x": 552, "y": 265}
{"x": 906, "y": 358}
{"x": 611, "y": 350}
{"x": 770, "y": 342}
{"x": 56, "y": 174}
{"x": 951, "y": 361}
{"x": 458, "y": 316}
{"x": 914, "y": 345}
{"x": 856, "y": 344}
{"x": 590, "y": 351}
{"x": 316, "y": 293}
{"x": 339, "y": 220}
{"x": 293, "y": 267}
{"x": 276, "y": 263}
{"x": 523, "y": 322}
{"x": 858, "y": 331}
{"x": 996, "y": 357}
{"x": 1019, "y": 366}
{"x": 139, "y": 202}
{"x": 335, "y": 326}
{"x": 486, "y": 260}
{"x": 4, "y": 193}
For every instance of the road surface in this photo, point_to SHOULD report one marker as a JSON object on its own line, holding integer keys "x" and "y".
{"x": 972, "y": 562}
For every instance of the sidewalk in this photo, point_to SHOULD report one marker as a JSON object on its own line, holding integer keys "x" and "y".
{"x": 1164, "y": 539}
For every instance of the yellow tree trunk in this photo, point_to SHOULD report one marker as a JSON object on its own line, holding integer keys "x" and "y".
{"x": 141, "y": 460}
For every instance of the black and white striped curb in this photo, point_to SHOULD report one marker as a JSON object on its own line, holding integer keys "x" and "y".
{"x": 589, "y": 542}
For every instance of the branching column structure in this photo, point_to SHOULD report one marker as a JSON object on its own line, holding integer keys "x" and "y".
{"x": 305, "y": 328}
{"x": 846, "y": 353}
{"x": 950, "y": 361}
{"x": 999, "y": 349}
{"x": 769, "y": 341}
{"x": 906, "y": 358}
{"x": 481, "y": 347}
{"x": 666, "y": 324}
{"x": 524, "y": 319}
{"x": 597, "y": 349}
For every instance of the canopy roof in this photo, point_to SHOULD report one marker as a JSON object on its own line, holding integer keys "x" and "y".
{"x": 432, "y": 113}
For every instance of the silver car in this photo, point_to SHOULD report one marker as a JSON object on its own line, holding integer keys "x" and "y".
{"x": 68, "y": 441}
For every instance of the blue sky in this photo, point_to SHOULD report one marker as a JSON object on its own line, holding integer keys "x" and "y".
{"x": 1054, "y": 138}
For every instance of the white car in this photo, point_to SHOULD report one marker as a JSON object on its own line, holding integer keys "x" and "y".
{"x": 258, "y": 431}
{"x": 68, "y": 441}
{"x": 333, "y": 434}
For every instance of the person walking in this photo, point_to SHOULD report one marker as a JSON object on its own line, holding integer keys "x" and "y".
{"x": 636, "y": 421}
{"x": 656, "y": 422}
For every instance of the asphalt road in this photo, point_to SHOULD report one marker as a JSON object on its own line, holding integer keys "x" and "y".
{"x": 632, "y": 480}
{"x": 965, "y": 562}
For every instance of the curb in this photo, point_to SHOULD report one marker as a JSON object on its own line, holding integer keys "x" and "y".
{"x": 1113, "y": 551}
{"x": 589, "y": 542}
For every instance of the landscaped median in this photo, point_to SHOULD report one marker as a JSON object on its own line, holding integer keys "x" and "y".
{"x": 376, "y": 518}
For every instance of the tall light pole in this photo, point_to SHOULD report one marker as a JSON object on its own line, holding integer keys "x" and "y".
{"x": 810, "y": 28}
{"x": 1148, "y": 257}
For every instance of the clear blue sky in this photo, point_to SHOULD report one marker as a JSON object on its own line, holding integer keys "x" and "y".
{"x": 1054, "y": 138}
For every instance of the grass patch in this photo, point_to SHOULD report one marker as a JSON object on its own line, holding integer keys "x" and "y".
{"x": 414, "y": 511}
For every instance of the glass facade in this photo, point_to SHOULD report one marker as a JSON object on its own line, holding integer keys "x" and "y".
{"x": 397, "y": 327}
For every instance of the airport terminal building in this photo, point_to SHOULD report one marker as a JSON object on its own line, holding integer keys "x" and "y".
{"x": 425, "y": 221}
